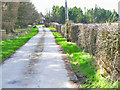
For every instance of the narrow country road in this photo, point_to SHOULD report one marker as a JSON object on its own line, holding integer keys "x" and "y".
{"x": 37, "y": 64}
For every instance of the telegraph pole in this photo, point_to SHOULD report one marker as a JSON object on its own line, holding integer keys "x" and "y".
{"x": 66, "y": 11}
{"x": 49, "y": 18}
{"x": 119, "y": 10}
{"x": 66, "y": 21}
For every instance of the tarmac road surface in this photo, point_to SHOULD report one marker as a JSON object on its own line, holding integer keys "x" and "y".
{"x": 37, "y": 64}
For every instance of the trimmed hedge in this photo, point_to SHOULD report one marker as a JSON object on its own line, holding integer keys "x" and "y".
{"x": 100, "y": 40}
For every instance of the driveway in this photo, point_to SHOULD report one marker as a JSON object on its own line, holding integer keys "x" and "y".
{"x": 37, "y": 64}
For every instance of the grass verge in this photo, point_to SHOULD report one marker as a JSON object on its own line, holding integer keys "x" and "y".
{"x": 52, "y": 29}
{"x": 83, "y": 65}
{"x": 10, "y": 46}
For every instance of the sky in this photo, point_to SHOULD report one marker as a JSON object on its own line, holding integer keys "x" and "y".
{"x": 45, "y": 5}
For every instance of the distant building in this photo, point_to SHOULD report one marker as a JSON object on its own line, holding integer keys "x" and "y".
{"x": 42, "y": 19}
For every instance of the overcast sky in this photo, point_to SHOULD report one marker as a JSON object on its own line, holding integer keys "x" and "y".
{"x": 44, "y": 5}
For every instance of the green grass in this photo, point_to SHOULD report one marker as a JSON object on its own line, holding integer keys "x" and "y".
{"x": 10, "y": 46}
{"x": 52, "y": 29}
{"x": 84, "y": 64}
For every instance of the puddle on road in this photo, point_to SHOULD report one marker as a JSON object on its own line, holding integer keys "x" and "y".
{"x": 14, "y": 82}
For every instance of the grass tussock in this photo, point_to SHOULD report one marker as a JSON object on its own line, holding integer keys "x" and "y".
{"x": 83, "y": 65}
{"x": 10, "y": 46}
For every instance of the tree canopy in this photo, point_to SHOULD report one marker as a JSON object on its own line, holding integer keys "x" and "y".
{"x": 94, "y": 15}
{"x": 18, "y": 15}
